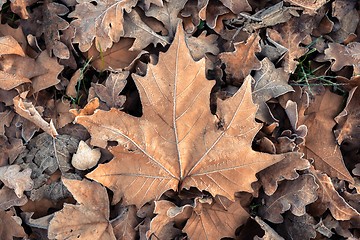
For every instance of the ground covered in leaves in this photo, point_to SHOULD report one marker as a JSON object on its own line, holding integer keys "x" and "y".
{"x": 187, "y": 119}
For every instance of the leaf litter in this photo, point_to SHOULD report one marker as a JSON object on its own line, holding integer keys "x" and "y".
{"x": 204, "y": 119}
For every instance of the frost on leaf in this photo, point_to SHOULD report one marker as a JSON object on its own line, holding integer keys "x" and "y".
{"x": 178, "y": 143}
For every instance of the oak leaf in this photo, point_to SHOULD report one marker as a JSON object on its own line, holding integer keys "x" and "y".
{"x": 330, "y": 199}
{"x": 270, "y": 233}
{"x": 14, "y": 178}
{"x": 310, "y": 6}
{"x": 348, "y": 55}
{"x": 240, "y": 62}
{"x": 291, "y": 195}
{"x": 178, "y": 143}
{"x": 202, "y": 44}
{"x": 100, "y": 20}
{"x": 269, "y": 82}
{"x": 89, "y": 219}
{"x": 237, "y": 6}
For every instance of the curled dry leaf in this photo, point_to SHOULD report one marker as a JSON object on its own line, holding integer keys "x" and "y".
{"x": 212, "y": 221}
{"x": 27, "y": 110}
{"x": 14, "y": 178}
{"x": 240, "y": 62}
{"x": 184, "y": 147}
{"x": 100, "y": 20}
{"x": 87, "y": 220}
{"x": 330, "y": 199}
{"x": 291, "y": 195}
{"x": 270, "y": 234}
{"x": 85, "y": 157}
{"x": 269, "y": 82}
{"x": 9, "y": 227}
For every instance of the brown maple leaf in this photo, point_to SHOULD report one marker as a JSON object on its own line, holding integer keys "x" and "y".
{"x": 178, "y": 143}
{"x": 89, "y": 219}
{"x": 100, "y": 20}
{"x": 240, "y": 62}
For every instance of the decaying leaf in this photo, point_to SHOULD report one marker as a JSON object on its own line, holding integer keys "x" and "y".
{"x": 8, "y": 198}
{"x": 184, "y": 147}
{"x": 202, "y": 44}
{"x": 89, "y": 219}
{"x": 310, "y": 6}
{"x": 8, "y": 45}
{"x": 291, "y": 195}
{"x": 124, "y": 226}
{"x": 15, "y": 178}
{"x": 85, "y": 157}
{"x": 211, "y": 221}
{"x": 240, "y": 62}
{"x": 269, "y": 82}
{"x": 100, "y": 20}
{"x": 270, "y": 234}
{"x": 237, "y": 6}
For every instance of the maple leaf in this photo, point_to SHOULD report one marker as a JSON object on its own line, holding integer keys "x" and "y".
{"x": 240, "y": 62}
{"x": 291, "y": 195}
{"x": 89, "y": 219}
{"x": 100, "y": 20}
{"x": 270, "y": 82}
{"x": 183, "y": 147}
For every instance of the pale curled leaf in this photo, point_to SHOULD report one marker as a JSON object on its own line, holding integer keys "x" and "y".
{"x": 85, "y": 157}
{"x": 89, "y": 219}
{"x": 185, "y": 146}
{"x": 27, "y": 110}
{"x": 14, "y": 178}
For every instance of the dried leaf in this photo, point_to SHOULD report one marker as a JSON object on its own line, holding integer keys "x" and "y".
{"x": 240, "y": 62}
{"x": 28, "y": 111}
{"x": 109, "y": 93}
{"x": 9, "y": 228}
{"x": 8, "y": 199}
{"x": 19, "y": 7}
{"x": 9, "y": 81}
{"x": 269, "y": 82}
{"x": 8, "y": 45}
{"x": 85, "y": 157}
{"x": 14, "y": 178}
{"x": 124, "y": 226}
{"x": 319, "y": 118}
{"x": 175, "y": 149}
{"x": 330, "y": 199}
{"x": 237, "y": 6}
{"x": 5, "y": 119}
{"x": 293, "y": 227}
{"x": 291, "y": 195}
{"x": 290, "y": 35}
{"x": 212, "y": 221}
{"x": 270, "y": 233}
{"x": 202, "y": 44}
{"x": 89, "y": 219}
{"x": 310, "y": 6}
{"x": 348, "y": 55}
{"x": 100, "y": 20}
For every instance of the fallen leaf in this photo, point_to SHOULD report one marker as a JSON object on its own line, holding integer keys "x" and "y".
{"x": 8, "y": 45}
{"x": 85, "y": 157}
{"x": 310, "y": 6}
{"x": 27, "y": 110}
{"x": 175, "y": 149}
{"x": 19, "y": 7}
{"x": 270, "y": 234}
{"x": 237, "y": 6}
{"x": 124, "y": 226}
{"x": 319, "y": 118}
{"x": 14, "y": 178}
{"x": 168, "y": 215}
{"x": 344, "y": 56}
{"x": 5, "y": 120}
{"x": 8, "y": 199}
{"x": 269, "y": 82}
{"x": 87, "y": 220}
{"x": 202, "y": 44}
{"x": 9, "y": 228}
{"x": 100, "y": 20}
{"x": 240, "y": 62}
{"x": 330, "y": 199}
{"x": 109, "y": 93}
{"x": 212, "y": 221}
{"x": 290, "y": 35}
{"x": 293, "y": 227}
{"x": 290, "y": 195}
